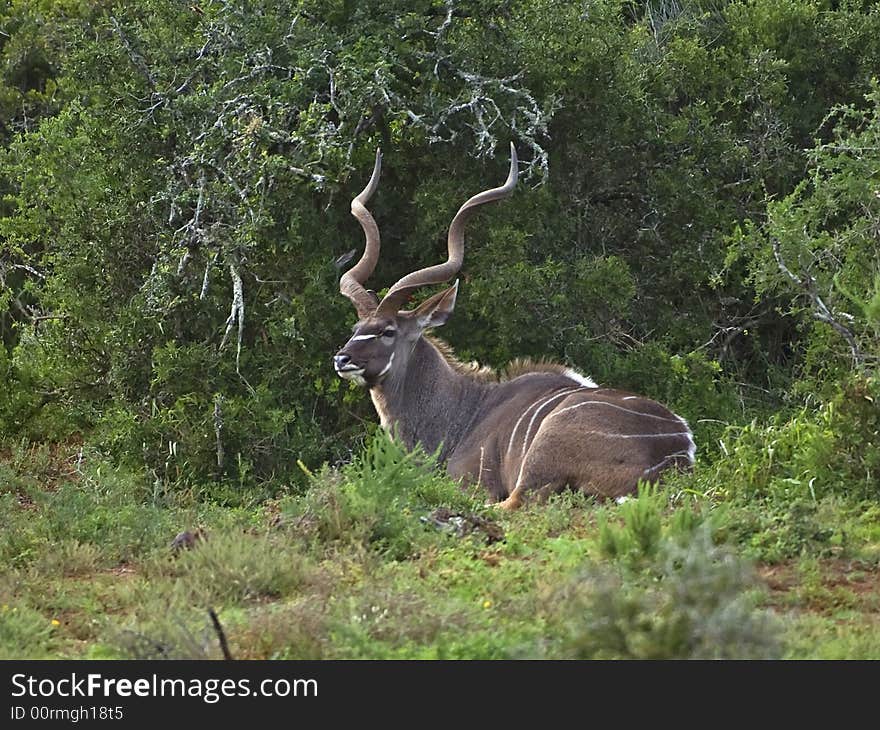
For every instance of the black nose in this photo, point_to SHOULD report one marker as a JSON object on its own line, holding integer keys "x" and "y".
{"x": 340, "y": 361}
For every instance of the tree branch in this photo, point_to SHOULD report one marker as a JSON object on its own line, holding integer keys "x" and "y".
{"x": 820, "y": 309}
{"x": 136, "y": 58}
{"x": 221, "y": 635}
{"x": 236, "y": 314}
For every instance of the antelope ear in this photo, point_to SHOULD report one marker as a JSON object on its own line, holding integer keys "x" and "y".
{"x": 435, "y": 311}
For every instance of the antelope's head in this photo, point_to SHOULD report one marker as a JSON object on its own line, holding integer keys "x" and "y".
{"x": 385, "y": 334}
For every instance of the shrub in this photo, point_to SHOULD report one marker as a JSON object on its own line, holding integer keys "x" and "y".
{"x": 377, "y": 499}
{"x": 693, "y": 602}
{"x": 233, "y": 566}
{"x": 24, "y": 633}
{"x": 834, "y": 450}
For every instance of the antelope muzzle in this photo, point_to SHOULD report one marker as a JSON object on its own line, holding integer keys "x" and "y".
{"x": 348, "y": 368}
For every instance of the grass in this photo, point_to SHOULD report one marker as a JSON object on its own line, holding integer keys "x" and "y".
{"x": 386, "y": 558}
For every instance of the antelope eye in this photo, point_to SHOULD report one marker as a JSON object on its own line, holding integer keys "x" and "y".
{"x": 389, "y": 333}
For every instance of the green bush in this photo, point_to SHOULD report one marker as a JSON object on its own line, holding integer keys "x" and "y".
{"x": 235, "y": 566}
{"x": 176, "y": 299}
{"x": 832, "y": 451}
{"x": 24, "y": 633}
{"x": 693, "y": 602}
{"x": 377, "y": 499}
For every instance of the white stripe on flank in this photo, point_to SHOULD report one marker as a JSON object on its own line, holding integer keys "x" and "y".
{"x": 630, "y": 397}
{"x": 544, "y": 404}
{"x": 524, "y": 456}
{"x": 527, "y": 410}
{"x": 363, "y": 337}
{"x": 676, "y": 419}
{"x": 578, "y": 378}
{"x": 692, "y": 449}
{"x": 636, "y": 435}
{"x": 537, "y": 411}
{"x": 522, "y": 464}
{"x": 665, "y": 459}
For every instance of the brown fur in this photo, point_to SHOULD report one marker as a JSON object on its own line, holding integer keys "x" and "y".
{"x": 529, "y": 430}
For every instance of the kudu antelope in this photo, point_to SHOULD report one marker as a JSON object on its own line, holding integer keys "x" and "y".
{"x": 532, "y": 430}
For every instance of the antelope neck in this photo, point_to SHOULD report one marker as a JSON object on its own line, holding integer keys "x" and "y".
{"x": 429, "y": 401}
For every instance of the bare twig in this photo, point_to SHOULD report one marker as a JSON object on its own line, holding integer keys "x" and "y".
{"x": 820, "y": 309}
{"x": 204, "y": 292}
{"x": 236, "y": 314}
{"x": 29, "y": 269}
{"x": 218, "y": 429}
{"x": 136, "y": 58}
{"x": 221, "y": 635}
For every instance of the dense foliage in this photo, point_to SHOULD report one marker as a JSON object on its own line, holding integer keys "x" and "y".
{"x": 698, "y": 220}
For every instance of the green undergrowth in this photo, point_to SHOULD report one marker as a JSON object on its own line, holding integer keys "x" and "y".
{"x": 375, "y": 560}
